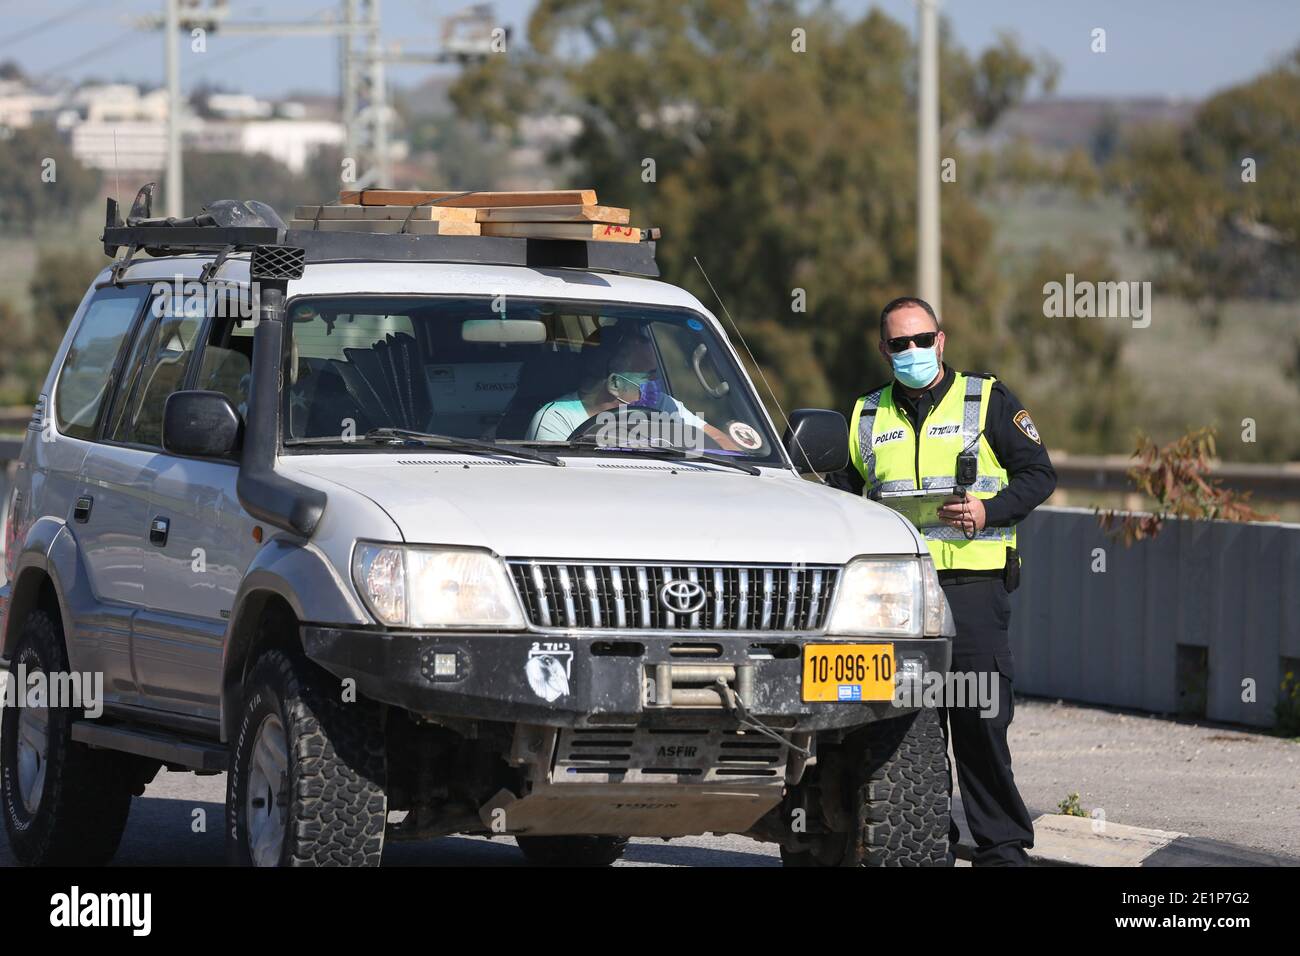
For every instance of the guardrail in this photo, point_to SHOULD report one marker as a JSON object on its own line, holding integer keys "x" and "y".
{"x": 1110, "y": 473}
{"x": 14, "y": 419}
{"x": 1203, "y": 619}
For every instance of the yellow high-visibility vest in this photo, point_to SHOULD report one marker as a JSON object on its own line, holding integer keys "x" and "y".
{"x": 891, "y": 456}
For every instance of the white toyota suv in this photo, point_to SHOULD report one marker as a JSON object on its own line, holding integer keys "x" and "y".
{"x": 421, "y": 535}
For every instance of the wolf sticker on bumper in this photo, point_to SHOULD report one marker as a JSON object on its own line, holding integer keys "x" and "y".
{"x": 548, "y": 669}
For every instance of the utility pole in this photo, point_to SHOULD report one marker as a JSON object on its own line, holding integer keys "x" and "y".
{"x": 348, "y": 79}
{"x": 376, "y": 109}
{"x": 175, "y": 185}
{"x": 363, "y": 94}
{"x": 928, "y": 279}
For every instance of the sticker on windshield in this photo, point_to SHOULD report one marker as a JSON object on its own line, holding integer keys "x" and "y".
{"x": 745, "y": 436}
{"x": 548, "y": 669}
{"x": 696, "y": 324}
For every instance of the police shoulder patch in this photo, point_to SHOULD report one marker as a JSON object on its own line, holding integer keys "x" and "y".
{"x": 1026, "y": 425}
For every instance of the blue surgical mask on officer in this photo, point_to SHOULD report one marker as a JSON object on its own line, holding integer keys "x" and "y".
{"x": 915, "y": 367}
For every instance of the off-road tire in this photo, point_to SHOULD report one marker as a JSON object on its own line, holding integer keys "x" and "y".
{"x": 891, "y": 783}
{"x": 571, "y": 850}
{"x": 334, "y": 796}
{"x": 86, "y": 797}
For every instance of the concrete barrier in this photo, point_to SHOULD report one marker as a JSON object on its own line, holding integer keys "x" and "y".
{"x": 1191, "y": 621}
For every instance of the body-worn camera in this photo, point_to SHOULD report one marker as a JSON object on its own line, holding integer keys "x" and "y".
{"x": 967, "y": 468}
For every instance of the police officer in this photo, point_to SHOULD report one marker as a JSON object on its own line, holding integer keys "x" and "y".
{"x": 912, "y": 433}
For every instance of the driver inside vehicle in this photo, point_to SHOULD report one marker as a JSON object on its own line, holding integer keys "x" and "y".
{"x": 629, "y": 377}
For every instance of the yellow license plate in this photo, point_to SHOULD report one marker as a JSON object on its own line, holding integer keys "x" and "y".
{"x": 842, "y": 673}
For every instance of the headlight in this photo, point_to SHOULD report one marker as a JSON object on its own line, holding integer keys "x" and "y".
{"x": 938, "y": 615}
{"x": 435, "y": 587}
{"x": 890, "y": 597}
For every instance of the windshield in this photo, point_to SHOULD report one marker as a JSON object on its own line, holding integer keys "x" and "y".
{"x": 517, "y": 373}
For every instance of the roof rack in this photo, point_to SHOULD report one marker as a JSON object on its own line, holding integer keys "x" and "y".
{"x": 280, "y": 252}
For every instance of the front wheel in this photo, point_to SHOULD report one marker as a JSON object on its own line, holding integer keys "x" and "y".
{"x": 880, "y": 798}
{"x": 306, "y": 785}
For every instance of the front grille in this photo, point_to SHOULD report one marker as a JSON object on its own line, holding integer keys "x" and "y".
{"x": 626, "y": 596}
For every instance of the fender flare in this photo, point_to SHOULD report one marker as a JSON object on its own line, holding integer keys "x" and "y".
{"x": 37, "y": 560}
{"x": 299, "y": 574}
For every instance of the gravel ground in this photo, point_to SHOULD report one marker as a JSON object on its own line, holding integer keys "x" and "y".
{"x": 1221, "y": 783}
{"x": 1215, "y": 782}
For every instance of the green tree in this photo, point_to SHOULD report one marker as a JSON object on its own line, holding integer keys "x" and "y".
{"x": 43, "y": 181}
{"x": 779, "y": 170}
{"x": 211, "y": 176}
{"x": 1067, "y": 371}
{"x": 1222, "y": 195}
{"x": 58, "y": 283}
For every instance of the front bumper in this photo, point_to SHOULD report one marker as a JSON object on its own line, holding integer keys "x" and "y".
{"x": 589, "y": 680}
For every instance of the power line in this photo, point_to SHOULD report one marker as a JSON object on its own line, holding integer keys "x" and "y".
{"x": 46, "y": 24}
{"x": 128, "y": 36}
{"x": 240, "y": 50}
{"x": 251, "y": 45}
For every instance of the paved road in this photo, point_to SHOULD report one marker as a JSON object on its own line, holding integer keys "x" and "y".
{"x": 161, "y": 832}
{"x": 1222, "y": 784}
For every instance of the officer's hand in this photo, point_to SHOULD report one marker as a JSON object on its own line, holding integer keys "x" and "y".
{"x": 965, "y": 513}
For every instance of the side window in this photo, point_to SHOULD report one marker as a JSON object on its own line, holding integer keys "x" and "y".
{"x": 227, "y": 363}
{"x": 88, "y": 366}
{"x": 159, "y": 360}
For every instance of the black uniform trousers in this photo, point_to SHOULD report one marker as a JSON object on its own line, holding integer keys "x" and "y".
{"x": 995, "y": 812}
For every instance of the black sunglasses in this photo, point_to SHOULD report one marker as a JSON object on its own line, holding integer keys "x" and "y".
{"x": 923, "y": 340}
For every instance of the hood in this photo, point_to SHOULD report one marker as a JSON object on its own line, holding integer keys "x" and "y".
{"x": 620, "y": 509}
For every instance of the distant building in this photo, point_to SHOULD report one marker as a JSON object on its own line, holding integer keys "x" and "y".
{"x": 119, "y": 102}
{"x": 238, "y": 106}
{"x": 138, "y": 146}
{"x": 20, "y": 105}
{"x": 292, "y": 142}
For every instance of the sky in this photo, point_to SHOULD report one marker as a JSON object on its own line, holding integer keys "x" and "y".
{"x": 1167, "y": 48}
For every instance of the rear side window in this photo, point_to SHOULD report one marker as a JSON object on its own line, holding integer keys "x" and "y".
{"x": 87, "y": 368}
{"x": 157, "y": 368}
{"x": 227, "y": 364}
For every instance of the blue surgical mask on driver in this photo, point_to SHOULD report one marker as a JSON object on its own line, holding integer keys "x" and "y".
{"x": 649, "y": 392}
{"x": 917, "y": 367}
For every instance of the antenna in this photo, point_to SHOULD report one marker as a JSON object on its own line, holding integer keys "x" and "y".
{"x": 117, "y": 185}
{"x": 762, "y": 374}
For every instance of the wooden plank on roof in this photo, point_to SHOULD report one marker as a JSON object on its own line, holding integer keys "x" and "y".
{"x": 417, "y": 227}
{"x": 600, "y": 232}
{"x": 412, "y": 197}
{"x": 415, "y": 213}
{"x": 569, "y": 213}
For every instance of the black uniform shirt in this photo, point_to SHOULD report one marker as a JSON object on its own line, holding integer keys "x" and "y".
{"x": 1010, "y": 433}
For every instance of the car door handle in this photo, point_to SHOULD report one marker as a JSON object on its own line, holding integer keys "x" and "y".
{"x": 81, "y": 510}
{"x": 158, "y": 529}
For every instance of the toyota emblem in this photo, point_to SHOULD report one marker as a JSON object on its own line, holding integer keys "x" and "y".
{"x": 682, "y": 597}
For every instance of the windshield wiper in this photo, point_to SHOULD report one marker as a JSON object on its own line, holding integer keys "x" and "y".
{"x": 668, "y": 453}
{"x": 447, "y": 441}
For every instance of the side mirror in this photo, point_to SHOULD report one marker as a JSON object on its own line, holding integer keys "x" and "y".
{"x": 201, "y": 425}
{"x": 817, "y": 440}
